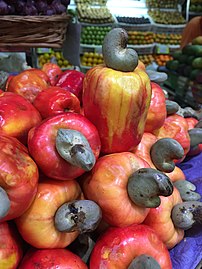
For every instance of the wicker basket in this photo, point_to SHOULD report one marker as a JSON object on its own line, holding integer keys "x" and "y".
{"x": 33, "y": 31}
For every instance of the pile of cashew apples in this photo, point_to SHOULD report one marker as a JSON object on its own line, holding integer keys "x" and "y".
{"x": 89, "y": 175}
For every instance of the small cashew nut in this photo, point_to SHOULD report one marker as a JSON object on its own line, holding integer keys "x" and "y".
{"x": 164, "y": 151}
{"x": 195, "y": 135}
{"x": 186, "y": 214}
{"x": 115, "y": 52}
{"x": 75, "y": 149}
{"x": 144, "y": 262}
{"x": 146, "y": 185}
{"x": 187, "y": 190}
{"x": 4, "y": 202}
{"x": 171, "y": 107}
{"x": 79, "y": 215}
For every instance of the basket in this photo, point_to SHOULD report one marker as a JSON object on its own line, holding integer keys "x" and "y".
{"x": 33, "y": 31}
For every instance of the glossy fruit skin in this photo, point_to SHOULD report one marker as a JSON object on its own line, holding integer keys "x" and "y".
{"x": 56, "y": 100}
{"x": 143, "y": 151}
{"x": 41, "y": 144}
{"x": 117, "y": 247}
{"x": 175, "y": 127}
{"x": 10, "y": 246}
{"x": 41, "y": 74}
{"x": 157, "y": 110}
{"x": 117, "y": 104}
{"x": 18, "y": 176}
{"x": 36, "y": 225}
{"x": 107, "y": 186}
{"x": 17, "y": 116}
{"x": 72, "y": 80}
{"x": 28, "y": 84}
{"x": 53, "y": 71}
{"x": 159, "y": 219}
{"x": 51, "y": 258}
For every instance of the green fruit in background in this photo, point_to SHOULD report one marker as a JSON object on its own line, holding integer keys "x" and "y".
{"x": 194, "y": 73}
{"x": 197, "y": 40}
{"x": 197, "y": 63}
{"x": 172, "y": 64}
{"x": 192, "y": 50}
{"x": 176, "y": 54}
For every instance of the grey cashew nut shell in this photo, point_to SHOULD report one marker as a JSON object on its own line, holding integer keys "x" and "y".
{"x": 163, "y": 153}
{"x": 146, "y": 185}
{"x": 5, "y": 203}
{"x": 73, "y": 146}
{"x": 116, "y": 55}
{"x": 171, "y": 107}
{"x": 78, "y": 215}
{"x": 144, "y": 262}
{"x": 195, "y": 135}
{"x": 185, "y": 215}
{"x": 187, "y": 190}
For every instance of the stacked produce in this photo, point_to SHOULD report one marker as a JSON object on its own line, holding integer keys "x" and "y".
{"x": 91, "y": 59}
{"x": 133, "y": 20}
{"x": 195, "y": 6}
{"x": 167, "y": 39}
{"x": 91, "y": 14}
{"x": 161, "y": 4}
{"x": 53, "y": 56}
{"x": 94, "y": 35}
{"x": 166, "y": 17}
{"x": 29, "y": 7}
{"x": 146, "y": 58}
{"x": 92, "y": 158}
{"x": 162, "y": 59}
{"x": 140, "y": 37}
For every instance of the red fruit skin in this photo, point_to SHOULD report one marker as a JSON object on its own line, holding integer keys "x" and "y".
{"x": 17, "y": 116}
{"x": 18, "y": 176}
{"x": 117, "y": 247}
{"x": 157, "y": 109}
{"x": 41, "y": 144}
{"x": 51, "y": 258}
{"x": 56, "y": 100}
{"x": 117, "y": 104}
{"x": 53, "y": 71}
{"x": 72, "y": 80}
{"x": 175, "y": 127}
{"x": 106, "y": 185}
{"x": 10, "y": 246}
{"x": 41, "y": 74}
{"x": 28, "y": 84}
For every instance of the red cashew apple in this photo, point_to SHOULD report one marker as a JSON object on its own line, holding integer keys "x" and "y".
{"x": 143, "y": 150}
{"x": 157, "y": 109}
{"x": 18, "y": 178}
{"x": 64, "y": 146}
{"x": 124, "y": 186}
{"x": 51, "y": 258}
{"x": 53, "y": 71}
{"x": 72, "y": 80}
{"x": 41, "y": 74}
{"x": 18, "y": 116}
{"x": 55, "y": 100}
{"x": 159, "y": 219}
{"x": 175, "y": 127}
{"x": 116, "y": 95}
{"x": 57, "y": 215}
{"x": 28, "y": 84}
{"x": 10, "y": 246}
{"x": 130, "y": 247}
